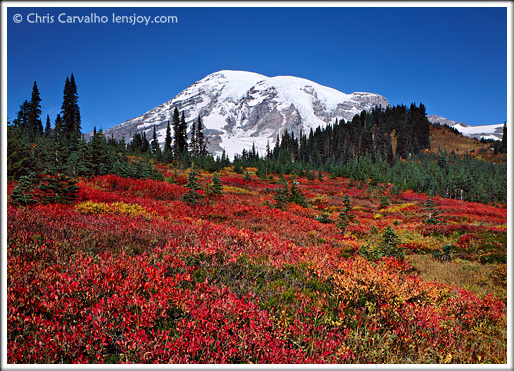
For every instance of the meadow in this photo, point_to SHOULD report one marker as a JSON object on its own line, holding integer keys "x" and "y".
{"x": 132, "y": 273}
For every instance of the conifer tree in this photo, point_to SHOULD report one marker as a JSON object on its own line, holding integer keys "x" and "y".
{"x": 296, "y": 195}
{"x": 136, "y": 144}
{"x": 215, "y": 189}
{"x": 145, "y": 145}
{"x": 192, "y": 196}
{"x": 504, "y": 138}
{"x": 402, "y": 139}
{"x": 177, "y": 149}
{"x": 168, "y": 153}
{"x": 282, "y": 197}
{"x": 182, "y": 145}
{"x": 390, "y": 244}
{"x": 23, "y": 193}
{"x": 19, "y": 156}
{"x": 70, "y": 111}
{"x": 201, "y": 140}
{"x": 345, "y": 215}
{"x": 22, "y": 120}
{"x": 247, "y": 176}
{"x": 194, "y": 141}
{"x": 58, "y": 125}
{"x": 156, "y": 148}
{"x": 58, "y": 189}
{"x": 100, "y": 153}
{"x": 48, "y": 127}
{"x": 434, "y": 216}
{"x": 35, "y": 126}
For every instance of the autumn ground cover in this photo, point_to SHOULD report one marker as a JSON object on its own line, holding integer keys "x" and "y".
{"x": 130, "y": 273}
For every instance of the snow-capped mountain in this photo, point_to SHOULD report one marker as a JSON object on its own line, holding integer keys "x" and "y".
{"x": 239, "y": 109}
{"x": 494, "y": 131}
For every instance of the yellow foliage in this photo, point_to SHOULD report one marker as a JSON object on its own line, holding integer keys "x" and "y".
{"x": 131, "y": 209}
{"x": 237, "y": 190}
{"x": 317, "y": 200}
{"x": 90, "y": 207}
{"x": 396, "y": 208}
{"x": 332, "y": 209}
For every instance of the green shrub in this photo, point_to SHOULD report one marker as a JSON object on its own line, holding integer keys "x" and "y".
{"x": 282, "y": 197}
{"x": 384, "y": 202}
{"x": 345, "y": 216}
{"x": 215, "y": 189}
{"x": 23, "y": 193}
{"x": 445, "y": 254}
{"x": 323, "y": 218}
{"x": 192, "y": 197}
{"x": 389, "y": 246}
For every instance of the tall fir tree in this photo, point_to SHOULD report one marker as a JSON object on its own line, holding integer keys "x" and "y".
{"x": 70, "y": 112}
{"x": 193, "y": 146}
{"x": 168, "y": 152}
{"x": 198, "y": 145}
{"x": 176, "y": 132}
{"x": 156, "y": 148}
{"x": 145, "y": 144}
{"x": 504, "y": 138}
{"x": 136, "y": 144}
{"x": 202, "y": 141}
{"x": 48, "y": 127}
{"x": 99, "y": 151}
{"x": 183, "y": 134}
{"x": 21, "y": 122}
{"x": 35, "y": 126}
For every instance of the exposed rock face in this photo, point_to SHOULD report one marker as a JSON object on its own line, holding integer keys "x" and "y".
{"x": 443, "y": 121}
{"x": 239, "y": 109}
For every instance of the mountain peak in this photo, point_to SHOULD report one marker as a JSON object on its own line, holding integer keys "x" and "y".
{"x": 240, "y": 109}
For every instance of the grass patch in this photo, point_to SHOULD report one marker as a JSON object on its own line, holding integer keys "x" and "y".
{"x": 473, "y": 276}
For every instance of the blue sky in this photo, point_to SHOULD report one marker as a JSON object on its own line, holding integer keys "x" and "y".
{"x": 453, "y": 60}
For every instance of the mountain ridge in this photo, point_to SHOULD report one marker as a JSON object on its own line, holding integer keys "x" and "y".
{"x": 493, "y": 131}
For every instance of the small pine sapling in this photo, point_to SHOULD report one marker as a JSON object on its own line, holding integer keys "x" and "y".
{"x": 247, "y": 176}
{"x": 390, "y": 244}
{"x": 215, "y": 189}
{"x": 345, "y": 215}
{"x": 434, "y": 216}
{"x": 282, "y": 197}
{"x": 296, "y": 195}
{"x": 23, "y": 193}
{"x": 192, "y": 197}
{"x": 323, "y": 218}
{"x": 384, "y": 202}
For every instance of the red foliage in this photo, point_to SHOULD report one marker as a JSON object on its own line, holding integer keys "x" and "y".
{"x": 129, "y": 288}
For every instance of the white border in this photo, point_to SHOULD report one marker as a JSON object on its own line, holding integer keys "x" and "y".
{"x": 3, "y": 132}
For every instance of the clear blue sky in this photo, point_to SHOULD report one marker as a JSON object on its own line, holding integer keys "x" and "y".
{"x": 453, "y": 60}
